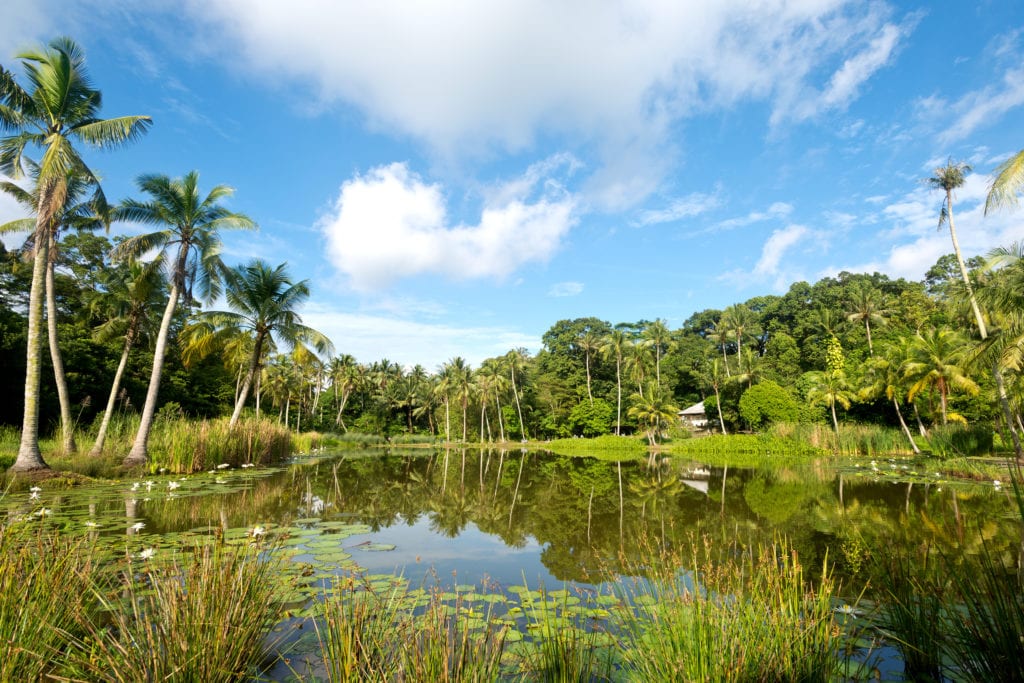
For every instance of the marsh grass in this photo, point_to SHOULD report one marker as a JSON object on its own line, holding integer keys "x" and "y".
{"x": 774, "y": 445}
{"x": 44, "y": 593}
{"x": 185, "y": 446}
{"x": 753, "y": 618}
{"x": 953, "y": 440}
{"x": 607, "y": 447}
{"x": 202, "y": 617}
{"x": 852, "y": 440}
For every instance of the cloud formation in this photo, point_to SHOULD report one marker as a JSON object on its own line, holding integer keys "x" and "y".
{"x": 563, "y": 289}
{"x": 390, "y": 224}
{"x": 614, "y": 77}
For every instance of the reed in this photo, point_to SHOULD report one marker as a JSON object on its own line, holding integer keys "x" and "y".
{"x": 605, "y": 447}
{"x": 744, "y": 617}
{"x": 44, "y": 593}
{"x": 203, "y": 617}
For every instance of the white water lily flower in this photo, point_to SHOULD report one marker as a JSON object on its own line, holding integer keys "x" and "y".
{"x": 35, "y": 489}
{"x": 91, "y": 524}
{"x": 220, "y": 480}
{"x": 147, "y": 554}
{"x": 847, "y": 610}
{"x": 138, "y": 526}
{"x": 247, "y": 464}
{"x": 173, "y": 485}
{"x": 135, "y": 486}
{"x": 257, "y": 531}
{"x": 34, "y": 495}
{"x": 223, "y": 466}
{"x": 42, "y": 512}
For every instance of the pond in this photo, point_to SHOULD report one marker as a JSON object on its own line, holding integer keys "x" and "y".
{"x": 518, "y": 518}
{"x": 532, "y": 516}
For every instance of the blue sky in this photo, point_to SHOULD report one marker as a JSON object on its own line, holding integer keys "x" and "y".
{"x": 455, "y": 177}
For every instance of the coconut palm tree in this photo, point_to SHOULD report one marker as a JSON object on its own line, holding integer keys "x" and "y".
{"x": 589, "y": 343}
{"x": 516, "y": 360}
{"x": 653, "y": 409}
{"x": 263, "y": 302}
{"x": 658, "y": 337}
{"x": 190, "y": 226}
{"x": 935, "y": 361}
{"x": 1007, "y": 183}
{"x": 614, "y": 345}
{"x": 76, "y": 213}
{"x": 828, "y": 388}
{"x": 719, "y": 335}
{"x": 60, "y": 108}
{"x": 711, "y": 376}
{"x": 345, "y": 375}
{"x": 885, "y": 377}
{"x": 866, "y": 305}
{"x": 739, "y": 320}
{"x": 948, "y": 178}
{"x": 134, "y": 292}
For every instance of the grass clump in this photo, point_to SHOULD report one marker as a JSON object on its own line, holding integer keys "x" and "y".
{"x": 749, "y": 619}
{"x": 203, "y": 617}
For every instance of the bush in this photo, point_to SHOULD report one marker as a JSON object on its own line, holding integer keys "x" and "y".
{"x": 591, "y": 419}
{"x": 767, "y": 402}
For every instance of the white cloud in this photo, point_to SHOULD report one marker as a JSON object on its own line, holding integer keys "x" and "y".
{"x": 390, "y": 224}
{"x": 562, "y": 289}
{"x": 776, "y": 247}
{"x": 682, "y": 207}
{"x": 468, "y": 77}
{"x": 371, "y": 337}
{"x": 775, "y": 211}
{"x": 25, "y": 24}
{"x": 983, "y": 106}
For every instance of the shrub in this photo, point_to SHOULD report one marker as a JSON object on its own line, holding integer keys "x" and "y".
{"x": 591, "y": 419}
{"x": 767, "y": 402}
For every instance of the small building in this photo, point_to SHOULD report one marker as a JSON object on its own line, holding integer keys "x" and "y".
{"x": 694, "y": 416}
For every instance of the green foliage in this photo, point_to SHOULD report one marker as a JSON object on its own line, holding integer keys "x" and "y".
{"x": 591, "y": 420}
{"x": 767, "y": 402}
{"x": 608, "y": 446}
{"x": 959, "y": 440}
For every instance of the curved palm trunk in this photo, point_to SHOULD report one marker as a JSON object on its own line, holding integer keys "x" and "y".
{"x": 1004, "y": 403}
{"x": 903, "y": 424}
{"x": 254, "y": 366}
{"x": 867, "y": 328}
{"x": 29, "y": 457}
{"x": 589, "y": 394}
{"x": 67, "y": 428}
{"x": 718, "y": 404}
{"x": 501, "y": 423}
{"x": 835, "y": 421}
{"x": 101, "y": 436}
{"x": 519, "y": 409}
{"x": 139, "y": 453}
{"x": 963, "y": 268}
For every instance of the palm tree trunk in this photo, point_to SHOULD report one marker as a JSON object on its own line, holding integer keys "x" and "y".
{"x": 963, "y": 267}
{"x": 67, "y": 427}
{"x": 835, "y": 422}
{"x": 501, "y": 422}
{"x": 101, "y": 436}
{"x": 1004, "y": 403}
{"x": 589, "y": 394}
{"x": 718, "y": 404}
{"x": 618, "y": 400}
{"x": 254, "y": 366}
{"x": 139, "y": 453}
{"x": 29, "y": 457}
{"x": 903, "y": 424}
{"x": 519, "y": 409}
{"x": 920, "y": 424}
{"x": 867, "y": 328}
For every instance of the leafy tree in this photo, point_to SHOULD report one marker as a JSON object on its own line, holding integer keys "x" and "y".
{"x": 61, "y": 107}
{"x": 190, "y": 227}
{"x": 591, "y": 419}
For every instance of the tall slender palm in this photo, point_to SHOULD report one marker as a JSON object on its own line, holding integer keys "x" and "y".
{"x": 263, "y": 302}
{"x": 589, "y": 343}
{"x": 638, "y": 363}
{"x": 829, "y": 388}
{"x": 720, "y": 335}
{"x": 948, "y": 178}
{"x": 61, "y": 107}
{"x": 342, "y": 371}
{"x": 1007, "y": 183}
{"x": 614, "y": 345}
{"x": 658, "y": 337}
{"x": 885, "y": 377}
{"x": 711, "y": 376}
{"x": 740, "y": 320}
{"x": 134, "y": 291}
{"x": 191, "y": 224}
{"x": 653, "y": 409}
{"x": 495, "y": 382}
{"x": 516, "y": 359}
{"x": 76, "y": 213}
{"x": 866, "y": 305}
{"x": 936, "y": 361}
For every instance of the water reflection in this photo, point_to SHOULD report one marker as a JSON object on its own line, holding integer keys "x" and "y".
{"x": 509, "y": 514}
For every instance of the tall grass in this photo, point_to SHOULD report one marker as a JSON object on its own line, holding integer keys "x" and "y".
{"x": 606, "y": 447}
{"x": 45, "y": 590}
{"x": 184, "y": 446}
{"x": 958, "y": 440}
{"x": 748, "y": 619}
{"x": 203, "y": 617}
{"x": 769, "y": 445}
{"x": 853, "y": 439}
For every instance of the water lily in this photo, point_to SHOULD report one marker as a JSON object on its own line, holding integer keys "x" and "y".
{"x": 247, "y": 464}
{"x": 42, "y": 512}
{"x": 257, "y": 531}
{"x": 34, "y": 495}
{"x": 35, "y": 489}
{"x": 147, "y": 554}
{"x": 220, "y": 480}
{"x": 848, "y": 610}
{"x": 223, "y": 466}
{"x": 138, "y": 526}
{"x": 996, "y": 483}
{"x": 173, "y": 485}
{"x": 91, "y": 524}
{"x": 135, "y": 486}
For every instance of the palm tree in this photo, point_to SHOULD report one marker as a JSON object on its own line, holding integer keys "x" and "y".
{"x": 866, "y": 305}
{"x": 614, "y": 345}
{"x": 494, "y": 380}
{"x": 638, "y": 362}
{"x": 886, "y": 377}
{"x": 61, "y": 108}
{"x": 75, "y": 213}
{"x": 657, "y": 336}
{"x": 345, "y": 374}
{"x": 720, "y": 336}
{"x": 588, "y": 342}
{"x": 948, "y": 178}
{"x": 134, "y": 292}
{"x": 935, "y": 362}
{"x": 711, "y": 376}
{"x": 654, "y": 409}
{"x": 1007, "y": 184}
{"x": 263, "y": 300}
{"x": 739, "y": 320}
{"x": 516, "y": 359}
{"x": 191, "y": 225}
{"x": 828, "y": 388}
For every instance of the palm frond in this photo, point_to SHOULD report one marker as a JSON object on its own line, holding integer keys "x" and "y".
{"x": 112, "y": 132}
{"x": 1007, "y": 184}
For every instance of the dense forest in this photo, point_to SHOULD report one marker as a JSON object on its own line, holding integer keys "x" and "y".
{"x": 857, "y": 347}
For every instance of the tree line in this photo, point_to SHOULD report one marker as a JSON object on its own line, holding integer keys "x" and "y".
{"x": 127, "y": 334}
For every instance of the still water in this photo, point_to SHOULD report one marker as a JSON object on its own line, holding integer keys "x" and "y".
{"x": 517, "y": 517}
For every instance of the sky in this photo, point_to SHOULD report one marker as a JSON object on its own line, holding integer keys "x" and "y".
{"x": 454, "y": 177}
